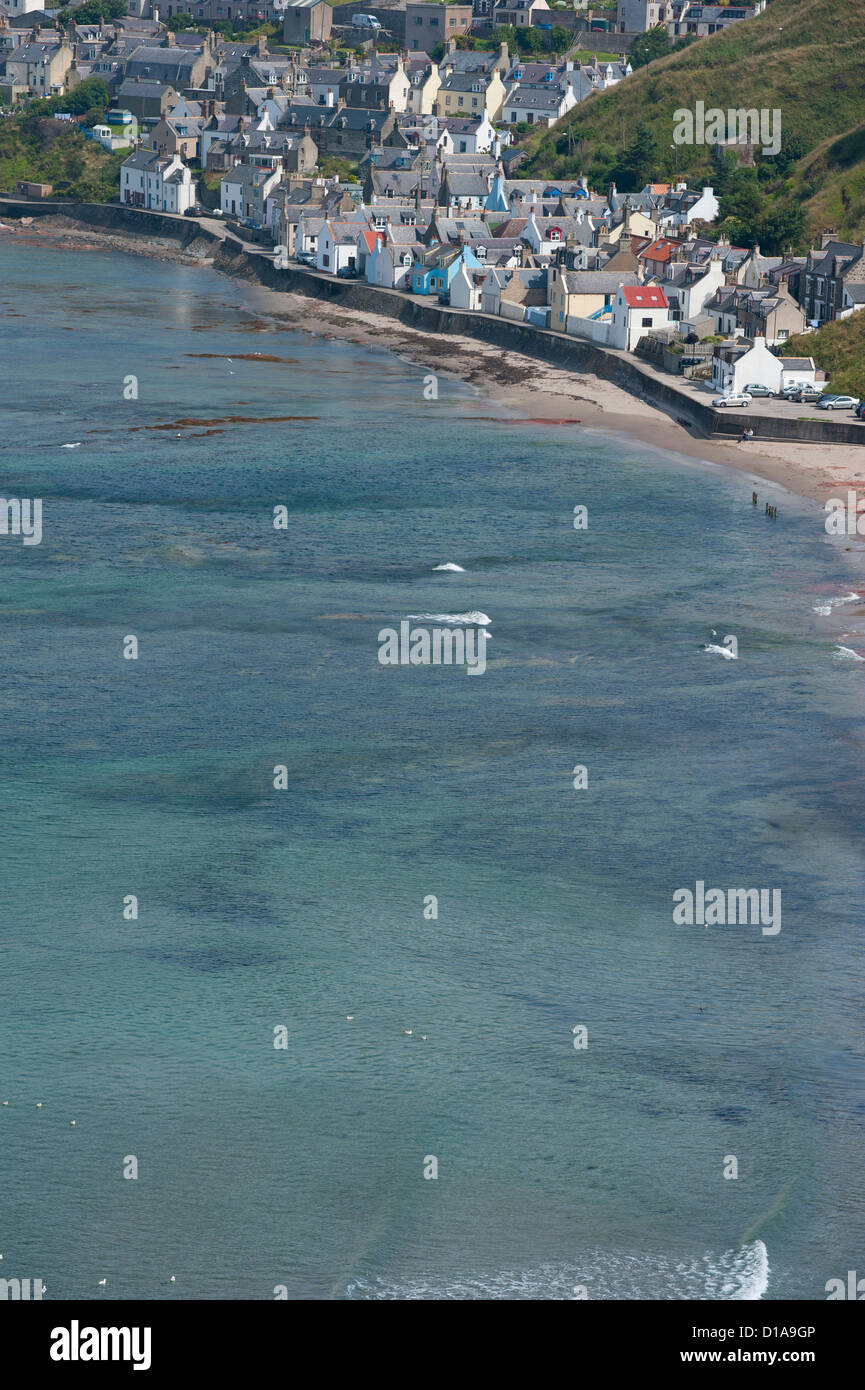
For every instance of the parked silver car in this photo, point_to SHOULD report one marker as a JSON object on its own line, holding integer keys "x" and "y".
{"x": 838, "y": 403}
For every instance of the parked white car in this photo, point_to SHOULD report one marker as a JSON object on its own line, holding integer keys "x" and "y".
{"x": 738, "y": 399}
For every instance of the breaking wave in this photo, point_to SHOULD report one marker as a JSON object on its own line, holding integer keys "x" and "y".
{"x": 474, "y": 618}
{"x": 736, "y": 1275}
{"x": 720, "y": 651}
{"x": 454, "y": 569}
{"x": 824, "y": 609}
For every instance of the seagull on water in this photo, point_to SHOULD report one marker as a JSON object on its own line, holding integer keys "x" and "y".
{"x": 408, "y": 1032}
{"x": 173, "y": 1279}
{"x": 102, "y": 1283}
{"x": 349, "y": 1018}
{"x": 38, "y": 1105}
{"x": 73, "y": 1122}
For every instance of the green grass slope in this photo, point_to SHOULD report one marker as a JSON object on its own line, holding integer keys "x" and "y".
{"x": 839, "y": 348}
{"x": 43, "y": 150}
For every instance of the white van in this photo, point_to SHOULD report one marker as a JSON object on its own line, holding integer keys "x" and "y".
{"x": 365, "y": 21}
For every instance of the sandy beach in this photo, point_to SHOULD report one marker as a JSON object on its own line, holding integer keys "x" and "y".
{"x": 517, "y": 386}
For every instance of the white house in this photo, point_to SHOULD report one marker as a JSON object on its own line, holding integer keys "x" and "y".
{"x": 682, "y": 207}
{"x": 160, "y": 182}
{"x": 706, "y": 207}
{"x": 693, "y": 295}
{"x": 389, "y": 265}
{"x": 465, "y": 136}
{"x": 465, "y": 288}
{"x": 734, "y": 368}
{"x": 537, "y": 103}
{"x": 337, "y": 247}
{"x": 636, "y": 310}
{"x": 244, "y": 191}
{"x": 799, "y": 371}
{"x": 309, "y": 227}
{"x": 109, "y": 140}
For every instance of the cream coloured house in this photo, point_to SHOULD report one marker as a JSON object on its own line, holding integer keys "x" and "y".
{"x": 471, "y": 94}
{"x": 424, "y": 83}
{"x": 582, "y": 293}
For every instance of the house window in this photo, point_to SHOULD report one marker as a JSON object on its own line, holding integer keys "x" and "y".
{"x": 646, "y": 323}
{"x": 325, "y": 260}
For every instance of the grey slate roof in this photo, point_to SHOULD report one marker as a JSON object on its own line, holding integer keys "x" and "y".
{"x": 247, "y": 175}
{"x": 131, "y": 88}
{"x": 464, "y": 82}
{"x": 597, "y": 281}
{"x": 534, "y": 98}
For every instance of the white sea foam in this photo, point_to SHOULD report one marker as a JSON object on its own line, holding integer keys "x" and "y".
{"x": 471, "y": 619}
{"x": 736, "y": 1275}
{"x": 454, "y": 569}
{"x": 824, "y": 609}
{"x": 720, "y": 651}
{"x": 71, "y": 446}
{"x": 847, "y": 654}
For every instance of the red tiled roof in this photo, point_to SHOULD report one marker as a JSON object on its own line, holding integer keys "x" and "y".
{"x": 644, "y": 297}
{"x": 659, "y": 250}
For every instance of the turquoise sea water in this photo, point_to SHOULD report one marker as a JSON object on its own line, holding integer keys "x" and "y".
{"x": 304, "y": 1167}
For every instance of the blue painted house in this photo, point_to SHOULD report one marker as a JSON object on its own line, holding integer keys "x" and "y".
{"x": 435, "y": 268}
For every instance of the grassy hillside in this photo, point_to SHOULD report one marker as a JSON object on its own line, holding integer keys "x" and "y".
{"x": 812, "y": 71}
{"x": 48, "y": 151}
{"x": 839, "y": 348}
{"x": 831, "y": 180}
